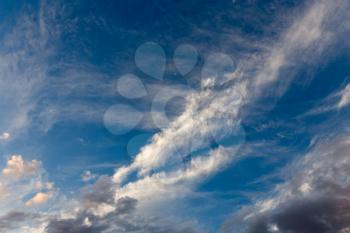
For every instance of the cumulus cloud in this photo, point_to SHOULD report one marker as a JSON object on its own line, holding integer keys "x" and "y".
{"x": 17, "y": 168}
{"x": 23, "y": 184}
{"x": 39, "y": 198}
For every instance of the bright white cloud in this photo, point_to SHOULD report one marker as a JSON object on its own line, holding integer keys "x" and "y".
{"x": 166, "y": 186}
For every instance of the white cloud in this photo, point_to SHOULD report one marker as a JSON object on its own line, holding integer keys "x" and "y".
{"x": 19, "y": 180}
{"x": 345, "y": 97}
{"x": 39, "y": 198}
{"x": 308, "y": 36}
{"x": 17, "y": 168}
{"x": 88, "y": 176}
{"x": 5, "y": 136}
{"x": 196, "y": 122}
{"x": 166, "y": 186}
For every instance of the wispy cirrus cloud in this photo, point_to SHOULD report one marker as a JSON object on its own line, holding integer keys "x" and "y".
{"x": 158, "y": 167}
{"x": 309, "y": 35}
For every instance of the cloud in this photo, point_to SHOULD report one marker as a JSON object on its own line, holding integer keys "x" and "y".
{"x": 308, "y": 36}
{"x": 99, "y": 197}
{"x": 345, "y": 97}
{"x": 167, "y": 186}
{"x": 39, "y": 198}
{"x": 326, "y": 214}
{"x": 307, "y": 40}
{"x": 17, "y": 168}
{"x": 23, "y": 184}
{"x": 159, "y": 168}
{"x": 308, "y": 201}
{"x": 335, "y": 101}
{"x": 14, "y": 219}
{"x": 23, "y": 67}
{"x": 5, "y": 136}
{"x": 124, "y": 218}
{"x": 32, "y": 96}
{"x": 88, "y": 176}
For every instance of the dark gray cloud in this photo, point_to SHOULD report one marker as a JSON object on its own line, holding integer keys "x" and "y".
{"x": 322, "y": 215}
{"x": 123, "y": 219}
{"x": 314, "y": 199}
{"x": 74, "y": 225}
{"x": 98, "y": 193}
{"x": 14, "y": 218}
{"x": 86, "y": 222}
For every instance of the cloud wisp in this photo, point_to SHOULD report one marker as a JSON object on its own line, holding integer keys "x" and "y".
{"x": 309, "y": 35}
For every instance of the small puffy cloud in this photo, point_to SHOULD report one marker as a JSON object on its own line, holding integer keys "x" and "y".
{"x": 5, "y": 136}
{"x": 87, "y": 176}
{"x": 39, "y": 198}
{"x": 17, "y": 168}
{"x": 49, "y": 185}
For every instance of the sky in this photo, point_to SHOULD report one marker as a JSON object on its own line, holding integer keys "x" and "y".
{"x": 166, "y": 116}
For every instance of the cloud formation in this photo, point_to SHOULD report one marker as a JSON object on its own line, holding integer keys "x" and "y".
{"x": 313, "y": 199}
{"x": 123, "y": 217}
{"x": 310, "y": 34}
{"x": 16, "y": 167}
{"x": 158, "y": 173}
{"x": 23, "y": 183}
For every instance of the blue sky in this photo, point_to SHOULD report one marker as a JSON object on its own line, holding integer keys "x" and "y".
{"x": 174, "y": 116}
